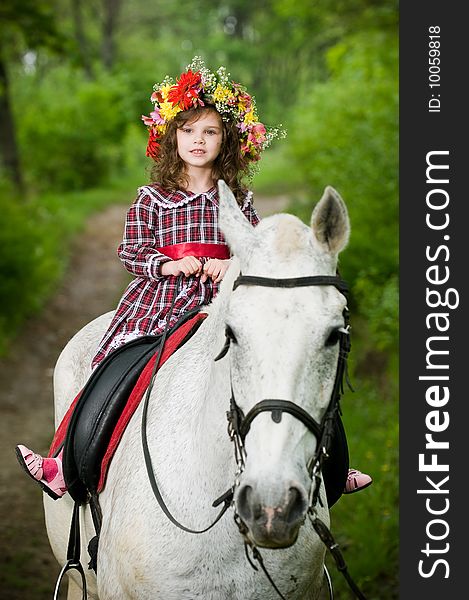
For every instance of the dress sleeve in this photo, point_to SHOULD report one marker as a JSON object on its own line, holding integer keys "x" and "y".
{"x": 249, "y": 211}
{"x": 138, "y": 250}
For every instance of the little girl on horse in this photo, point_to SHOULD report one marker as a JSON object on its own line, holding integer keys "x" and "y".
{"x": 203, "y": 128}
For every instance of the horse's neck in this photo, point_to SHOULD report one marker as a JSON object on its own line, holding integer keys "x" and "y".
{"x": 212, "y": 392}
{"x": 188, "y": 410}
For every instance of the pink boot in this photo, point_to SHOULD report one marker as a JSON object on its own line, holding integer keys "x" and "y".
{"x": 47, "y": 472}
{"x": 356, "y": 481}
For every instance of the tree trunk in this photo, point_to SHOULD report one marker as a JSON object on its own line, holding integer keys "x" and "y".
{"x": 81, "y": 38}
{"x": 111, "y": 14}
{"x": 8, "y": 148}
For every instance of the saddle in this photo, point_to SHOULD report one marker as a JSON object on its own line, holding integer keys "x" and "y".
{"x": 96, "y": 420}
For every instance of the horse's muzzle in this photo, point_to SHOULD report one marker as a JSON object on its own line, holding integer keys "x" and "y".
{"x": 272, "y": 526}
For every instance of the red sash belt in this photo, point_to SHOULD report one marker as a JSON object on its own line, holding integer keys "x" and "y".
{"x": 177, "y": 251}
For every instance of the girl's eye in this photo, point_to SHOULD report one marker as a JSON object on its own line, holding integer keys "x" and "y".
{"x": 333, "y": 337}
{"x": 211, "y": 131}
{"x": 186, "y": 130}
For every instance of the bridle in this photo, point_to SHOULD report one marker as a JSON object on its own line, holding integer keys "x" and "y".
{"x": 240, "y": 424}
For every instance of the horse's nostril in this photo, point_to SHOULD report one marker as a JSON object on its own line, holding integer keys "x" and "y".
{"x": 290, "y": 512}
{"x": 296, "y": 506}
{"x": 244, "y": 503}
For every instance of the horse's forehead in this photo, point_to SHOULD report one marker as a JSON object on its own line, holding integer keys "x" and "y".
{"x": 285, "y": 234}
{"x": 317, "y": 306}
{"x": 288, "y": 248}
{"x": 292, "y": 235}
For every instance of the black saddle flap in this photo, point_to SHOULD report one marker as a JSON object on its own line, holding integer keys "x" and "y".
{"x": 100, "y": 405}
{"x": 97, "y": 411}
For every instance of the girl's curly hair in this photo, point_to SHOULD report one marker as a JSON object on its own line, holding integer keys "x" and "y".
{"x": 169, "y": 170}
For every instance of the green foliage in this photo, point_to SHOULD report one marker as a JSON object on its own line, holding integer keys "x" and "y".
{"x": 71, "y": 134}
{"x": 35, "y": 238}
{"x": 349, "y": 141}
{"x": 31, "y": 22}
{"x": 29, "y": 255}
{"x": 278, "y": 173}
{"x": 366, "y": 524}
{"x": 379, "y": 302}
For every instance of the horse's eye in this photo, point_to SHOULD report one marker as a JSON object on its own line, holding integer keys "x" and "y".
{"x": 230, "y": 335}
{"x": 333, "y": 337}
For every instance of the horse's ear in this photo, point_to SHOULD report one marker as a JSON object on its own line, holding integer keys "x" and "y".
{"x": 330, "y": 222}
{"x": 238, "y": 231}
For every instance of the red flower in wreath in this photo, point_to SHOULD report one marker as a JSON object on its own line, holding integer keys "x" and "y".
{"x": 153, "y": 147}
{"x": 186, "y": 91}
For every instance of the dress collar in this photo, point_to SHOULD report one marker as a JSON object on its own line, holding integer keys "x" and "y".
{"x": 183, "y": 196}
{"x": 211, "y": 193}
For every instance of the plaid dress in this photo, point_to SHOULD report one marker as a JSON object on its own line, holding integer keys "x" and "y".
{"x": 156, "y": 219}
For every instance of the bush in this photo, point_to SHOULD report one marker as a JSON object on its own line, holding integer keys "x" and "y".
{"x": 70, "y": 130}
{"x": 27, "y": 263}
{"x": 349, "y": 140}
{"x": 36, "y": 236}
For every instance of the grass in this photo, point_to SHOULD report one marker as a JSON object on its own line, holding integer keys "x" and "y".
{"x": 72, "y": 209}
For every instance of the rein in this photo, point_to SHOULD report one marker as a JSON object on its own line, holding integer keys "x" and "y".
{"x": 225, "y": 498}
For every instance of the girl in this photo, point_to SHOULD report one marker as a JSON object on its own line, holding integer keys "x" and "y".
{"x": 203, "y": 128}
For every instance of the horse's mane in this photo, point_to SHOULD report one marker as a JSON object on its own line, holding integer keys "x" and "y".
{"x": 217, "y": 309}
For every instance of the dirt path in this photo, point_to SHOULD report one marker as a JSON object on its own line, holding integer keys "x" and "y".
{"x": 92, "y": 286}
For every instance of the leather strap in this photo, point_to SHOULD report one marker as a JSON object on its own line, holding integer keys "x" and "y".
{"x": 279, "y": 406}
{"x": 226, "y": 498}
{"x": 291, "y": 282}
{"x": 73, "y": 554}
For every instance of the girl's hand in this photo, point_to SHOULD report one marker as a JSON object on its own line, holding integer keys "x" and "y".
{"x": 189, "y": 265}
{"x": 215, "y": 268}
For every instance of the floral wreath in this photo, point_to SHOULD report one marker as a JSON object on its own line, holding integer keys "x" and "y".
{"x": 198, "y": 86}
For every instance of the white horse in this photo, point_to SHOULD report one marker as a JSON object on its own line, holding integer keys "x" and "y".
{"x": 279, "y": 351}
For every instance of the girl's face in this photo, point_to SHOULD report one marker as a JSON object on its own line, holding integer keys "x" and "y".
{"x": 199, "y": 142}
